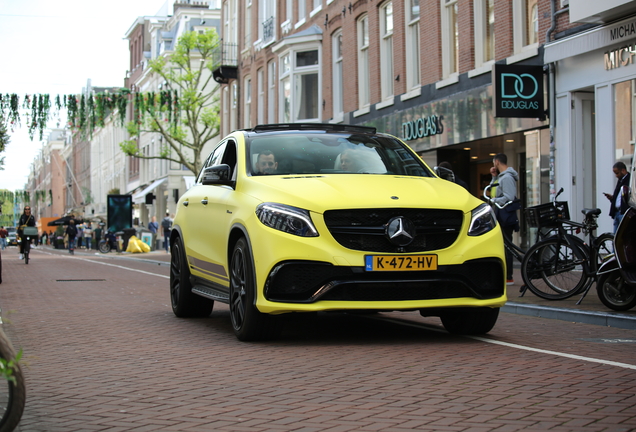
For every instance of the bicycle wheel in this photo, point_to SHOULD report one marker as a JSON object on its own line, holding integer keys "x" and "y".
{"x": 604, "y": 246}
{"x": 104, "y": 246}
{"x": 551, "y": 270}
{"x": 12, "y": 392}
{"x": 27, "y": 249}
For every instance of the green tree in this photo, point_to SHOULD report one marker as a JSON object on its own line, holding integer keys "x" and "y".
{"x": 188, "y": 72}
{"x": 4, "y": 141}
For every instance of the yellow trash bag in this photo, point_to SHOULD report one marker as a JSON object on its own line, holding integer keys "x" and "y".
{"x": 137, "y": 246}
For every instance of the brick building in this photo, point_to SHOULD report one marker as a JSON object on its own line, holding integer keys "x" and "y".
{"x": 418, "y": 69}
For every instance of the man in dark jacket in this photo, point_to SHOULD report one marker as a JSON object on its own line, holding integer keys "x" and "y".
{"x": 620, "y": 197}
{"x": 71, "y": 231}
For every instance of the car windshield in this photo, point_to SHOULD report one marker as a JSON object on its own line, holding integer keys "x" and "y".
{"x": 283, "y": 153}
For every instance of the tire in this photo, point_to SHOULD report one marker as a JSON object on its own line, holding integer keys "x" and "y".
{"x": 185, "y": 304}
{"x": 614, "y": 292}
{"x": 248, "y": 323}
{"x": 469, "y": 321}
{"x": 12, "y": 393}
{"x": 605, "y": 246}
{"x": 26, "y": 257}
{"x": 104, "y": 246}
{"x": 551, "y": 270}
{"x": 27, "y": 249}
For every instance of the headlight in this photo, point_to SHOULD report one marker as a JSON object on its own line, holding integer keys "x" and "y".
{"x": 288, "y": 219}
{"x": 482, "y": 220}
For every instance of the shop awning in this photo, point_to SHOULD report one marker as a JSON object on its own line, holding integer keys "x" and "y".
{"x": 140, "y": 197}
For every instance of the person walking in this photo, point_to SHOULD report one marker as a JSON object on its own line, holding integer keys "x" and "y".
{"x": 88, "y": 236}
{"x": 80, "y": 235}
{"x": 153, "y": 226}
{"x": 620, "y": 198}
{"x": 166, "y": 226}
{"x": 3, "y": 237}
{"x": 71, "y": 232}
{"x": 504, "y": 179}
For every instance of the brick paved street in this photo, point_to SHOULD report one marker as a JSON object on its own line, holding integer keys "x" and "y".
{"x": 103, "y": 352}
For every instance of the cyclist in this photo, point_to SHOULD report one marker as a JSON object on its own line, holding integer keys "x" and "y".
{"x": 26, "y": 219}
{"x": 504, "y": 183}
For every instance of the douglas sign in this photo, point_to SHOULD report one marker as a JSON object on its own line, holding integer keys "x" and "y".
{"x": 518, "y": 91}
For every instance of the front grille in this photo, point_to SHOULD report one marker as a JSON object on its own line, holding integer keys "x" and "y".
{"x": 308, "y": 282}
{"x": 363, "y": 229}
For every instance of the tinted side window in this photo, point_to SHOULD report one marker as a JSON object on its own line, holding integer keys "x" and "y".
{"x": 213, "y": 159}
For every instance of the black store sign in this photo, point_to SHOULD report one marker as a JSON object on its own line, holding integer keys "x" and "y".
{"x": 518, "y": 91}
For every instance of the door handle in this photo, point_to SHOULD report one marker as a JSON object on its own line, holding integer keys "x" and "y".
{"x": 204, "y": 201}
{"x": 185, "y": 203}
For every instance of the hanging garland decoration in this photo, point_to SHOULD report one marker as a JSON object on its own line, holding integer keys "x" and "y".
{"x": 85, "y": 113}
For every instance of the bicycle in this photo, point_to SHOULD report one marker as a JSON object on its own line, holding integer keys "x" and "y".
{"x": 12, "y": 386}
{"x": 563, "y": 265}
{"x": 28, "y": 233}
{"x": 517, "y": 252}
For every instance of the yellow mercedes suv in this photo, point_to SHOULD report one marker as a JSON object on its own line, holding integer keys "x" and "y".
{"x": 290, "y": 218}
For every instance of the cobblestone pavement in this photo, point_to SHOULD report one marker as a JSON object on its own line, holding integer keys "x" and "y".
{"x": 103, "y": 352}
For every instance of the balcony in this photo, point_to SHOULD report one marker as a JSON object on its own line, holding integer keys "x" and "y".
{"x": 225, "y": 62}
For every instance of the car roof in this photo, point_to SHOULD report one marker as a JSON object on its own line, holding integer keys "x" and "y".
{"x": 326, "y": 127}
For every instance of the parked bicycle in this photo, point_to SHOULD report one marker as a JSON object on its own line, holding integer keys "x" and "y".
{"x": 563, "y": 265}
{"x": 552, "y": 221}
{"x": 517, "y": 252}
{"x": 12, "y": 386}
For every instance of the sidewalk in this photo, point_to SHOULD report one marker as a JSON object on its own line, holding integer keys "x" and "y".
{"x": 590, "y": 311}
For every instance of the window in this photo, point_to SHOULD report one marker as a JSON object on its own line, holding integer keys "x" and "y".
{"x": 300, "y": 87}
{"x": 261, "y": 96}
{"x": 266, "y": 18}
{"x": 316, "y": 6}
{"x": 225, "y": 104}
{"x": 363, "y": 62}
{"x": 302, "y": 11}
{"x": 412, "y": 9}
{"x": 233, "y": 104}
{"x": 450, "y": 39}
{"x": 289, "y": 6}
{"x": 484, "y": 32}
{"x": 386, "y": 50}
{"x": 248, "y": 25}
{"x": 337, "y": 85}
{"x": 230, "y": 22}
{"x": 271, "y": 91}
{"x": 248, "y": 102}
{"x": 532, "y": 22}
{"x": 525, "y": 16}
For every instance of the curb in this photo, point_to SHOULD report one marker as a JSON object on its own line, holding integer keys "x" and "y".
{"x": 607, "y": 319}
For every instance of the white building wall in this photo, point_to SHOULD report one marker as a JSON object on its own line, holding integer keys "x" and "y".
{"x": 576, "y": 75}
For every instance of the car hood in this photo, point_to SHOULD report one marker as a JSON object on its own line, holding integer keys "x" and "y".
{"x": 319, "y": 193}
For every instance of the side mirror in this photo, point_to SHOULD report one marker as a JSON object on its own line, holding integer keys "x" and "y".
{"x": 445, "y": 173}
{"x": 217, "y": 175}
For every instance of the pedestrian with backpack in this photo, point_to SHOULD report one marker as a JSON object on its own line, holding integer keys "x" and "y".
{"x": 166, "y": 226}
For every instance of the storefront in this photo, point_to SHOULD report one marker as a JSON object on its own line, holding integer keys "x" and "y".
{"x": 594, "y": 76}
{"x": 463, "y": 131}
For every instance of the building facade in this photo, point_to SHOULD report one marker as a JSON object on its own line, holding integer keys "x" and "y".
{"x": 594, "y": 79}
{"x": 420, "y": 70}
{"x": 47, "y": 179}
{"x": 156, "y": 184}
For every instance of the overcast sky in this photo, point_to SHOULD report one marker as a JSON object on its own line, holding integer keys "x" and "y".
{"x": 54, "y": 47}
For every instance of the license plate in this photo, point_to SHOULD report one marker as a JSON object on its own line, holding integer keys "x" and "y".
{"x": 400, "y": 262}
